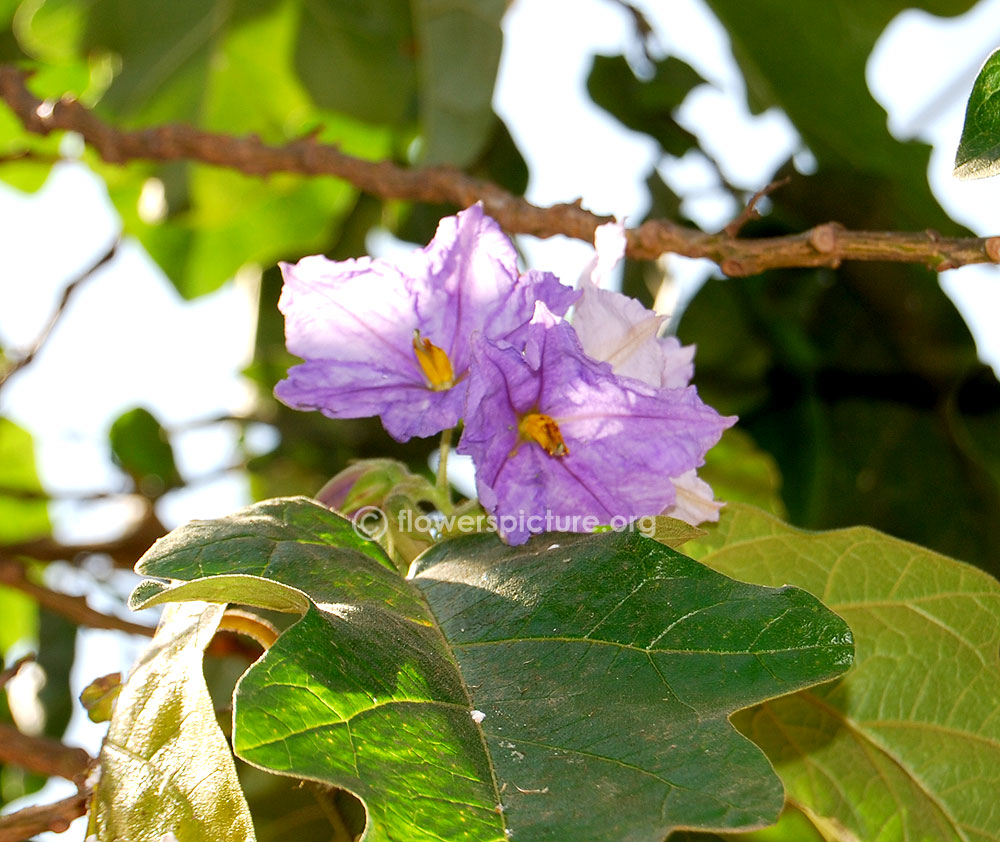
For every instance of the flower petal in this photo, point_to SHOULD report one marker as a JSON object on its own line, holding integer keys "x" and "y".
{"x": 624, "y": 439}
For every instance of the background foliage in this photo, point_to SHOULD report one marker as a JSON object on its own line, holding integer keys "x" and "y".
{"x": 861, "y": 397}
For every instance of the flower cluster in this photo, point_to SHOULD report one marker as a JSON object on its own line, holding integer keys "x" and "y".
{"x": 594, "y": 418}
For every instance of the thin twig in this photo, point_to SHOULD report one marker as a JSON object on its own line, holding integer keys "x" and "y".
{"x": 14, "y": 668}
{"x": 57, "y": 817}
{"x": 75, "y": 608}
{"x": 57, "y": 314}
{"x": 750, "y": 211}
{"x": 825, "y": 245}
{"x": 643, "y": 28}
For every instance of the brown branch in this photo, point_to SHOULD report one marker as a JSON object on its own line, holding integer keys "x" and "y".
{"x": 46, "y": 757}
{"x": 57, "y": 817}
{"x": 75, "y": 608}
{"x": 124, "y": 551}
{"x": 57, "y": 314}
{"x": 824, "y": 245}
{"x": 43, "y": 755}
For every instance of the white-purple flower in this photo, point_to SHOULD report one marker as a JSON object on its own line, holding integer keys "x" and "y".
{"x": 562, "y": 442}
{"x": 617, "y": 329}
{"x": 392, "y": 337}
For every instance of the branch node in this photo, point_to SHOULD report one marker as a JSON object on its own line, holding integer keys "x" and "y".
{"x": 732, "y": 268}
{"x": 992, "y": 248}
{"x": 750, "y": 211}
{"x": 945, "y": 265}
{"x": 823, "y": 238}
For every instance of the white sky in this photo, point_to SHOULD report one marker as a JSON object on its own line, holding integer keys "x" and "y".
{"x": 128, "y": 339}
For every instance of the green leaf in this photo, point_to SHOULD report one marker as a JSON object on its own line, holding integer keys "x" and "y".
{"x": 20, "y": 618}
{"x": 98, "y": 698}
{"x": 602, "y": 664}
{"x": 357, "y": 58}
{"x": 844, "y": 413}
{"x": 165, "y": 58}
{"x": 141, "y": 447}
{"x": 458, "y": 53}
{"x": 646, "y": 105}
{"x": 395, "y": 62}
{"x": 165, "y": 765}
{"x": 815, "y": 72}
{"x": 907, "y": 744}
{"x": 738, "y": 470}
{"x": 978, "y": 153}
{"x": 57, "y": 638}
{"x": 23, "y": 508}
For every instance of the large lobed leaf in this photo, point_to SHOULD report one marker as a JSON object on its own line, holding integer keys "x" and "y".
{"x": 484, "y": 697}
{"x": 907, "y": 744}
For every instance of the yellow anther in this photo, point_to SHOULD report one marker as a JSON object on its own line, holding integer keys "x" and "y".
{"x": 545, "y": 431}
{"x": 434, "y": 363}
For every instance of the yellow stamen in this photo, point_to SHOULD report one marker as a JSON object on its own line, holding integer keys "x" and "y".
{"x": 434, "y": 363}
{"x": 545, "y": 431}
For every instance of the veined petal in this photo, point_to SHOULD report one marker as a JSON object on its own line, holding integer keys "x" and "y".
{"x": 623, "y": 439}
{"x": 354, "y": 323}
{"x": 617, "y": 329}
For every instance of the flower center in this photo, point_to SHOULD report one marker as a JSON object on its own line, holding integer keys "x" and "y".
{"x": 434, "y": 363}
{"x": 545, "y": 431}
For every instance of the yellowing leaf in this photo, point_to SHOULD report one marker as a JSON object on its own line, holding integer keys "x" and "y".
{"x": 166, "y": 766}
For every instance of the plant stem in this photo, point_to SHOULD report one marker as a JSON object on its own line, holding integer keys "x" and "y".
{"x": 442, "y": 472}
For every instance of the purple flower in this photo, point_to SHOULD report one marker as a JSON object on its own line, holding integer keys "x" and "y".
{"x": 561, "y": 442}
{"x": 392, "y": 338}
{"x": 618, "y": 330}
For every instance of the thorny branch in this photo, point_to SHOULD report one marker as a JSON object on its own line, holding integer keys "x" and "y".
{"x": 824, "y": 245}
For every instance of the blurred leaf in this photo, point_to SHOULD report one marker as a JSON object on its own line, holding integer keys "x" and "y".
{"x": 10, "y": 50}
{"x": 165, "y": 765}
{"x": 20, "y": 618}
{"x": 739, "y": 471}
{"x": 27, "y": 173}
{"x": 539, "y": 642}
{"x": 56, "y": 654}
{"x": 864, "y": 424}
{"x": 98, "y": 698}
{"x": 907, "y": 744}
{"x": 358, "y": 58}
{"x": 815, "y": 71}
{"x": 211, "y": 221}
{"x": 23, "y": 508}
{"x": 141, "y": 447}
{"x": 167, "y": 52}
{"x": 646, "y": 105}
{"x": 500, "y": 162}
{"x": 458, "y": 53}
{"x": 978, "y": 153}
{"x": 396, "y": 62}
